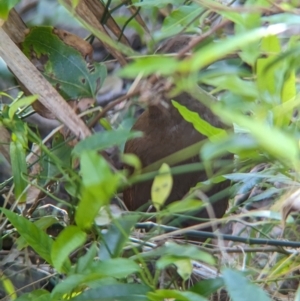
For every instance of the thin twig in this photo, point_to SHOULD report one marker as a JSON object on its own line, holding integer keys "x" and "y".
{"x": 199, "y": 39}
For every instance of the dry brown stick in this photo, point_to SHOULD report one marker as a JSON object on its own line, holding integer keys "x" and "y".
{"x": 34, "y": 81}
{"x": 83, "y": 13}
{"x": 15, "y": 27}
{"x": 99, "y": 11}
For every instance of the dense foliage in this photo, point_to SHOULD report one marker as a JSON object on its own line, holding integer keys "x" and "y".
{"x": 241, "y": 62}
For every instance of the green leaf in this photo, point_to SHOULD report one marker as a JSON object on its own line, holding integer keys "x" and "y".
{"x": 132, "y": 160}
{"x": 115, "y": 267}
{"x": 172, "y": 250}
{"x": 86, "y": 260}
{"x": 240, "y": 288}
{"x": 183, "y": 206}
{"x": 202, "y": 126}
{"x": 23, "y": 102}
{"x": 243, "y": 145}
{"x": 211, "y": 53}
{"x": 98, "y": 186}
{"x": 183, "y": 18}
{"x": 6, "y": 6}
{"x": 19, "y": 169}
{"x": 207, "y": 286}
{"x": 8, "y": 287}
{"x": 157, "y": 3}
{"x": 60, "y": 158}
{"x": 149, "y": 65}
{"x": 122, "y": 292}
{"x": 161, "y": 186}
{"x": 232, "y": 82}
{"x": 36, "y": 238}
{"x": 62, "y": 65}
{"x": 103, "y": 140}
{"x": 266, "y": 79}
{"x": 67, "y": 241}
{"x": 159, "y": 295}
{"x": 43, "y": 223}
{"x": 36, "y": 295}
{"x": 276, "y": 142}
{"x": 184, "y": 268}
{"x": 75, "y": 284}
{"x": 117, "y": 236}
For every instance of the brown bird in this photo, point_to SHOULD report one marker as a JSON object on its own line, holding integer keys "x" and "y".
{"x": 166, "y": 132}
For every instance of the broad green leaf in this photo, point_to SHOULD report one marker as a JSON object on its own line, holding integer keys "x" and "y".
{"x": 62, "y": 65}
{"x": 86, "y": 260}
{"x": 284, "y": 17}
{"x": 117, "y": 236}
{"x": 276, "y": 142}
{"x": 211, "y": 53}
{"x": 115, "y": 267}
{"x": 161, "y": 186}
{"x": 207, "y": 286}
{"x": 275, "y": 75}
{"x": 266, "y": 79}
{"x": 19, "y": 169}
{"x": 136, "y": 292}
{"x": 232, "y": 82}
{"x": 149, "y": 65}
{"x": 172, "y": 249}
{"x": 202, "y": 126}
{"x": 75, "y": 284}
{"x": 240, "y": 288}
{"x": 177, "y": 295}
{"x": 183, "y": 206}
{"x": 67, "y": 241}
{"x": 36, "y": 238}
{"x": 6, "y": 6}
{"x": 250, "y": 21}
{"x": 289, "y": 84}
{"x": 184, "y": 268}
{"x": 289, "y": 87}
{"x": 245, "y": 146}
{"x": 103, "y": 140}
{"x": 42, "y": 223}
{"x": 36, "y": 295}
{"x": 99, "y": 184}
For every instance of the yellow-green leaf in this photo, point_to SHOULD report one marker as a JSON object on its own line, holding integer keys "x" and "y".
{"x": 184, "y": 268}
{"x": 203, "y": 127}
{"x": 67, "y": 241}
{"x": 23, "y": 102}
{"x": 8, "y": 287}
{"x": 266, "y": 79}
{"x": 162, "y": 186}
